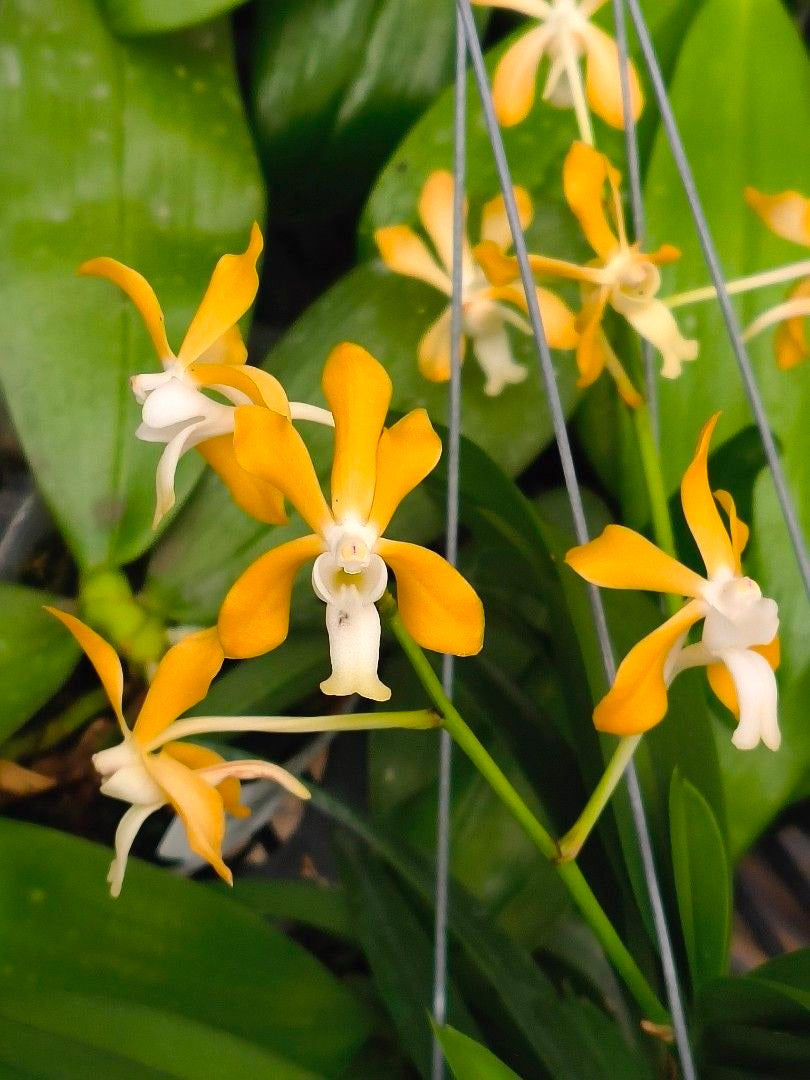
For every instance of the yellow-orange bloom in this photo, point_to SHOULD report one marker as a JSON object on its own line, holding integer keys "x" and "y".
{"x": 149, "y": 769}
{"x": 787, "y": 215}
{"x": 374, "y": 468}
{"x": 621, "y": 275}
{"x": 487, "y": 310}
{"x": 739, "y": 645}
{"x": 564, "y": 34}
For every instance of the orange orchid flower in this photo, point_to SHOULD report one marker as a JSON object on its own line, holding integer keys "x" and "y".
{"x": 486, "y": 309}
{"x": 621, "y": 276}
{"x": 212, "y": 357}
{"x": 787, "y": 215}
{"x": 150, "y": 769}
{"x": 564, "y": 34}
{"x": 738, "y": 645}
{"x": 374, "y": 468}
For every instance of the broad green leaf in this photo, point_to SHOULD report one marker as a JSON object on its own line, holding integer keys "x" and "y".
{"x": 134, "y": 17}
{"x": 324, "y": 907}
{"x": 469, "y": 1060}
{"x": 702, "y": 881}
{"x": 167, "y": 944}
{"x": 36, "y": 656}
{"x": 135, "y": 151}
{"x": 63, "y": 1035}
{"x": 335, "y": 83}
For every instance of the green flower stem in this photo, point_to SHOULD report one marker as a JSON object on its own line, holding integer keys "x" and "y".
{"x": 58, "y": 729}
{"x": 570, "y": 873}
{"x": 571, "y": 844}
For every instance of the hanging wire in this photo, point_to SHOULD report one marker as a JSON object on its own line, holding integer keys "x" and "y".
{"x": 554, "y": 402}
{"x": 712, "y": 260}
{"x": 451, "y": 545}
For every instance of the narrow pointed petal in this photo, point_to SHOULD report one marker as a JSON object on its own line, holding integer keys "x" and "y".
{"x": 591, "y": 351}
{"x": 538, "y": 8}
{"x": 185, "y": 439}
{"x": 182, "y": 679}
{"x": 653, "y": 320}
{"x": 140, "y": 293}
{"x": 738, "y": 530}
{"x": 603, "y": 84}
{"x": 406, "y": 453}
{"x": 229, "y": 349}
{"x": 231, "y": 291}
{"x": 722, "y": 684}
{"x": 405, "y": 253}
{"x": 255, "y": 615}
{"x": 198, "y": 805}
{"x": 128, "y": 828}
{"x": 624, "y": 385}
{"x": 440, "y": 609}
{"x": 515, "y": 80}
{"x": 787, "y": 214}
{"x": 755, "y": 687}
{"x": 790, "y": 342}
{"x": 493, "y": 352}
{"x": 267, "y": 446}
{"x": 436, "y": 214}
{"x": 258, "y": 386}
{"x": 102, "y": 656}
{"x": 559, "y": 321}
{"x": 623, "y": 559}
{"x": 253, "y": 769}
{"x": 585, "y": 172}
{"x": 700, "y": 510}
{"x": 354, "y": 649}
{"x": 358, "y": 390}
{"x": 433, "y": 353}
{"x": 201, "y": 758}
{"x": 637, "y": 700}
{"x": 255, "y": 496}
{"x": 495, "y": 227}
{"x": 665, "y": 254}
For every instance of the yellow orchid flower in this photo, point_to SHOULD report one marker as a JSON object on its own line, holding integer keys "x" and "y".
{"x": 374, "y": 468}
{"x": 787, "y": 215}
{"x": 485, "y": 310}
{"x": 621, "y": 276}
{"x": 565, "y": 34}
{"x": 738, "y": 646}
{"x": 212, "y": 356}
{"x": 150, "y": 769}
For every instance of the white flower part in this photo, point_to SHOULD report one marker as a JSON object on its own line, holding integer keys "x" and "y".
{"x": 128, "y": 828}
{"x": 739, "y": 616}
{"x": 125, "y": 776}
{"x": 484, "y": 321}
{"x": 755, "y": 684}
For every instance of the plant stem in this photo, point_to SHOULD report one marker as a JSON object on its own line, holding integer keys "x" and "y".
{"x": 570, "y": 873}
{"x": 571, "y": 844}
{"x": 57, "y": 729}
{"x": 746, "y": 284}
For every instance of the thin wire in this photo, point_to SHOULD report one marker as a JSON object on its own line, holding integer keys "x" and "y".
{"x": 451, "y": 546}
{"x": 636, "y": 201}
{"x": 548, "y": 376}
{"x": 712, "y": 260}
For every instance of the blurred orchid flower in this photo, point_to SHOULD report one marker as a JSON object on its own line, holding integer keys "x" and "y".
{"x": 565, "y": 34}
{"x": 374, "y": 468}
{"x": 176, "y": 409}
{"x": 787, "y": 215}
{"x": 150, "y": 769}
{"x": 621, "y": 276}
{"x": 487, "y": 310}
{"x": 738, "y": 645}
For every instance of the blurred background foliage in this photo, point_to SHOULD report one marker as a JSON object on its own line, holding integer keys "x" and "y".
{"x": 155, "y": 131}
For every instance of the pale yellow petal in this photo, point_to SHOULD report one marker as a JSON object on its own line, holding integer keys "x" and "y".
{"x": 603, "y": 84}
{"x": 182, "y": 679}
{"x": 786, "y": 214}
{"x": 405, "y": 253}
{"x": 700, "y": 509}
{"x": 495, "y": 224}
{"x": 406, "y": 453}
{"x": 436, "y": 214}
{"x": 623, "y": 559}
{"x": 559, "y": 321}
{"x": 515, "y": 80}
{"x": 140, "y": 293}
{"x": 433, "y": 352}
{"x": 102, "y": 656}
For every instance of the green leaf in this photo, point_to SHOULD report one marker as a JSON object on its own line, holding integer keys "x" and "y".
{"x": 469, "y": 1060}
{"x": 335, "y": 83}
{"x": 702, "y": 881}
{"x": 325, "y": 908}
{"x": 63, "y": 1035}
{"x": 36, "y": 656}
{"x": 136, "y": 151}
{"x": 134, "y": 17}
{"x": 167, "y": 944}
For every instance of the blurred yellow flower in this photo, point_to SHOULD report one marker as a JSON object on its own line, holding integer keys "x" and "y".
{"x": 374, "y": 468}
{"x": 738, "y": 645}
{"x": 486, "y": 310}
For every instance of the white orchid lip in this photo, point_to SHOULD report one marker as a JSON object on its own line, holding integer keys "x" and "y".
{"x": 125, "y": 776}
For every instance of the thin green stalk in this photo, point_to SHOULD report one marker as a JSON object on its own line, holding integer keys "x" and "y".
{"x": 58, "y": 729}
{"x": 570, "y": 873}
{"x": 571, "y": 844}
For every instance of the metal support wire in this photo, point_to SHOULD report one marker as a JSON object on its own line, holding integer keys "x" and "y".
{"x": 636, "y": 201}
{"x": 712, "y": 260}
{"x": 451, "y": 545}
{"x": 554, "y": 402}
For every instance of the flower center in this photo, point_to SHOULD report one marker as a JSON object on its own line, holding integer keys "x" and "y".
{"x": 124, "y": 775}
{"x": 739, "y": 616}
{"x": 633, "y": 275}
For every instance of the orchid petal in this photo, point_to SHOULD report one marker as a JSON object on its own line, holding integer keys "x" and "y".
{"x": 182, "y": 679}
{"x": 229, "y": 350}
{"x": 255, "y": 615}
{"x": 623, "y": 559}
{"x": 738, "y": 530}
{"x": 653, "y": 320}
{"x": 187, "y": 437}
{"x": 140, "y": 293}
{"x": 607, "y": 357}
{"x": 493, "y": 352}
{"x": 495, "y": 227}
{"x": 515, "y": 79}
{"x": 440, "y": 609}
{"x": 585, "y": 172}
{"x": 786, "y": 214}
{"x": 354, "y": 648}
{"x": 720, "y": 679}
{"x": 259, "y": 387}
{"x": 755, "y": 687}
{"x": 434, "y": 349}
{"x": 252, "y": 494}
{"x": 591, "y": 344}
{"x": 436, "y": 214}
{"x": 537, "y": 8}
{"x": 406, "y": 453}
{"x": 102, "y": 656}
{"x": 128, "y": 828}
{"x": 253, "y": 769}
{"x": 700, "y": 510}
{"x": 200, "y": 758}
{"x": 603, "y": 83}
{"x": 405, "y": 253}
{"x": 559, "y": 321}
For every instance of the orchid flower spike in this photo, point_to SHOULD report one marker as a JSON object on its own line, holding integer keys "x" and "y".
{"x": 787, "y": 215}
{"x": 621, "y": 276}
{"x": 374, "y": 468}
{"x": 176, "y": 409}
{"x": 738, "y": 645}
{"x": 487, "y": 310}
{"x": 564, "y": 34}
{"x": 149, "y": 769}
